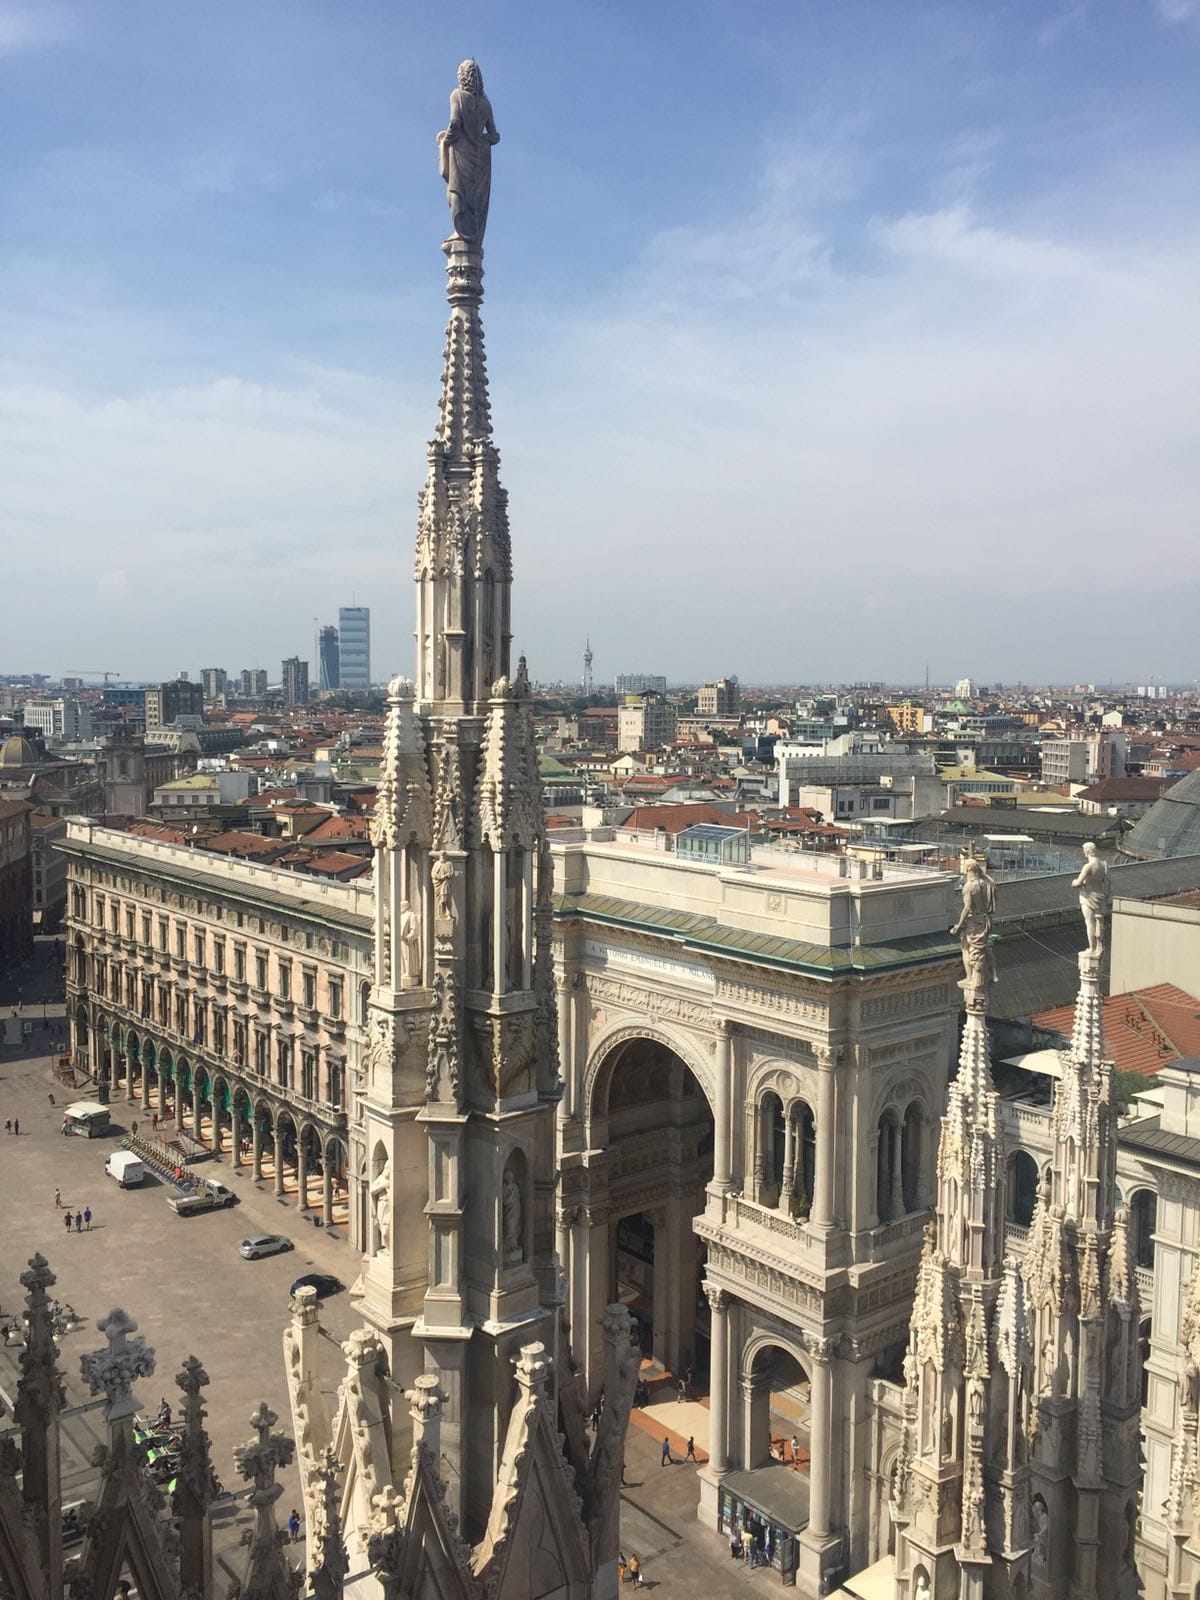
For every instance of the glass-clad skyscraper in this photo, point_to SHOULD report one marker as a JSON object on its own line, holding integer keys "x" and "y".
{"x": 354, "y": 646}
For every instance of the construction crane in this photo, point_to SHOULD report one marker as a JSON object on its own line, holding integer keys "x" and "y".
{"x": 84, "y": 672}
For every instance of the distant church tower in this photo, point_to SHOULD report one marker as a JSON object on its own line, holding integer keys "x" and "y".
{"x": 455, "y": 1117}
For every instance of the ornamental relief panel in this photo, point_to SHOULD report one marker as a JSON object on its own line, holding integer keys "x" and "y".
{"x": 900, "y": 1090}
{"x": 927, "y": 1044}
{"x": 935, "y": 996}
{"x": 778, "y": 1285}
{"x": 775, "y": 1077}
{"x": 753, "y": 997}
{"x": 644, "y": 1002}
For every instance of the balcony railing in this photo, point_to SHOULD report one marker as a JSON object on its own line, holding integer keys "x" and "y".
{"x": 747, "y": 1211}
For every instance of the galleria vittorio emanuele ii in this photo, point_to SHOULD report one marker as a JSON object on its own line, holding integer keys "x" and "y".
{"x": 617, "y": 1148}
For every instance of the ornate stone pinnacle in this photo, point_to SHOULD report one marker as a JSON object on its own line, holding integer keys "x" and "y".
{"x": 425, "y": 1398}
{"x": 533, "y": 1366}
{"x": 114, "y": 1370}
{"x": 259, "y": 1460}
{"x": 38, "y": 1278}
{"x": 193, "y": 1378}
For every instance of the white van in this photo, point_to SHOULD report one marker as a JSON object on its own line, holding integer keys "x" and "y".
{"x": 126, "y": 1168}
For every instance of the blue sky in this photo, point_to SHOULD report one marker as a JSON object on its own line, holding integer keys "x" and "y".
{"x": 826, "y": 340}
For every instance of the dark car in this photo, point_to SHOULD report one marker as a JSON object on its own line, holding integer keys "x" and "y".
{"x": 323, "y": 1282}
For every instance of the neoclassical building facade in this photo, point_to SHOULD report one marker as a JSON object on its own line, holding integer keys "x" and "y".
{"x": 230, "y": 998}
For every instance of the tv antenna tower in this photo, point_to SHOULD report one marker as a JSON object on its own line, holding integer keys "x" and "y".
{"x": 587, "y": 666}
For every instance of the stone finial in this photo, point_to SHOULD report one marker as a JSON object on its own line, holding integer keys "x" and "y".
{"x": 400, "y": 688}
{"x": 305, "y": 1307}
{"x": 37, "y": 1279}
{"x": 328, "y": 1573}
{"x": 533, "y": 1367}
{"x": 259, "y": 1460}
{"x": 193, "y": 1378}
{"x": 114, "y": 1369}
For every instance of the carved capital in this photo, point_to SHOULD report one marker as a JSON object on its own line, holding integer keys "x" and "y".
{"x": 821, "y": 1349}
{"x": 718, "y": 1299}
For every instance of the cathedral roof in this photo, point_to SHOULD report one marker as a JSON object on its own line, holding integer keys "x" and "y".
{"x": 1171, "y": 827}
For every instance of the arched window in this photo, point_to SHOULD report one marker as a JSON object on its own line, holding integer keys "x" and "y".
{"x": 889, "y": 1194}
{"x": 911, "y": 1153}
{"x": 1022, "y": 1188}
{"x": 1143, "y": 1217}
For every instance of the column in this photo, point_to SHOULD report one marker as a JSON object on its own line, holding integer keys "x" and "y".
{"x": 327, "y": 1189}
{"x": 235, "y": 1130}
{"x": 896, "y": 1201}
{"x": 566, "y": 1046}
{"x": 301, "y": 1171}
{"x": 145, "y": 1083}
{"x": 822, "y": 1209}
{"x": 255, "y": 1144}
{"x": 820, "y": 1438}
{"x": 499, "y": 923}
{"x": 527, "y": 919}
{"x": 718, "y": 1381}
{"x": 278, "y": 1156}
{"x": 789, "y": 1161}
{"x": 722, "y": 1129}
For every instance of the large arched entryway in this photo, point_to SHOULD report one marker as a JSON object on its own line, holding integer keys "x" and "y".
{"x": 652, "y": 1119}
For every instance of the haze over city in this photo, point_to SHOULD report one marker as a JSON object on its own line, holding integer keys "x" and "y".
{"x": 859, "y": 338}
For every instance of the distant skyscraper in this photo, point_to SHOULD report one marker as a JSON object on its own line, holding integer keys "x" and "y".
{"x": 254, "y": 682}
{"x": 354, "y": 635}
{"x": 295, "y": 681}
{"x": 330, "y": 659}
{"x": 215, "y": 682}
{"x": 641, "y": 683}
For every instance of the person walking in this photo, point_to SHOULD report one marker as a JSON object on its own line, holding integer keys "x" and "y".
{"x": 79, "y": 1222}
{"x": 680, "y": 1392}
{"x": 621, "y": 1567}
{"x": 8, "y": 1124}
{"x": 67, "y": 1220}
{"x": 87, "y": 1218}
{"x": 635, "y": 1569}
{"x": 666, "y": 1452}
{"x": 16, "y": 1124}
{"x": 58, "y": 1199}
{"x": 293, "y": 1525}
{"x": 795, "y": 1451}
{"x": 691, "y": 1450}
{"x": 134, "y": 1129}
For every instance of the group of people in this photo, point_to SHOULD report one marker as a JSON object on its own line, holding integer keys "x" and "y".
{"x": 629, "y": 1571}
{"x": 82, "y": 1219}
{"x": 12, "y": 1125}
{"x": 754, "y": 1546}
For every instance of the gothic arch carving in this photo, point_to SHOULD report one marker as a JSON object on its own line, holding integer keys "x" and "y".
{"x": 898, "y": 1093}
{"x": 623, "y": 1033}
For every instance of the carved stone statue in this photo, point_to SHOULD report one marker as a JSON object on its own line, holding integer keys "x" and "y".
{"x": 381, "y": 1194}
{"x": 1095, "y": 896}
{"x": 974, "y": 926}
{"x": 443, "y": 886}
{"x": 922, "y": 1590}
{"x": 510, "y": 1200}
{"x": 410, "y": 946}
{"x": 1041, "y": 1531}
{"x": 465, "y": 154}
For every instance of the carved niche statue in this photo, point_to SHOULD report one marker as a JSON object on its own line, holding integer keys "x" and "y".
{"x": 974, "y": 926}
{"x": 510, "y": 1200}
{"x": 409, "y": 930}
{"x": 465, "y": 154}
{"x": 1095, "y": 895}
{"x": 381, "y": 1193}
{"x": 443, "y": 887}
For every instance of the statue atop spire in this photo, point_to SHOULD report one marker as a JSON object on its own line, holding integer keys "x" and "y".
{"x": 465, "y": 154}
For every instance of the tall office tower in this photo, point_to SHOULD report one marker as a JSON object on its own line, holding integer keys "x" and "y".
{"x": 214, "y": 681}
{"x": 166, "y": 701}
{"x": 295, "y": 681}
{"x": 254, "y": 682}
{"x": 354, "y": 631}
{"x": 329, "y": 659}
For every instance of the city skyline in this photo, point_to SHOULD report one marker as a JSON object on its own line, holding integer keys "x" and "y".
{"x": 957, "y": 405}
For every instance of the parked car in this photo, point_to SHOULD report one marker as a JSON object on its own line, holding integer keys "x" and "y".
{"x": 323, "y": 1282}
{"x": 264, "y": 1244}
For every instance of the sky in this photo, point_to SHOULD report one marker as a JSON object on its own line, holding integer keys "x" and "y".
{"x": 826, "y": 342}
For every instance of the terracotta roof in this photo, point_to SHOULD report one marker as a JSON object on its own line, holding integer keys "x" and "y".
{"x": 1125, "y": 789}
{"x": 1189, "y": 899}
{"x": 675, "y": 818}
{"x": 238, "y": 843}
{"x": 337, "y": 863}
{"x": 339, "y": 828}
{"x": 1144, "y": 1029}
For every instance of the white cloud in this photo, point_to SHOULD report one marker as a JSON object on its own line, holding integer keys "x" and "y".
{"x": 28, "y": 27}
{"x": 1177, "y": 10}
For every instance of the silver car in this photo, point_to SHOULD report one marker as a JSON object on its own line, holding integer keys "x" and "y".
{"x": 264, "y": 1244}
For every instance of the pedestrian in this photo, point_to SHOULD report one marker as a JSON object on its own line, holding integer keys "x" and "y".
{"x": 691, "y": 1450}
{"x": 8, "y": 1124}
{"x": 135, "y": 1130}
{"x": 735, "y": 1546}
{"x": 16, "y": 1124}
{"x": 67, "y": 1220}
{"x": 66, "y": 1127}
{"x": 293, "y": 1525}
{"x": 87, "y": 1218}
{"x": 687, "y": 1378}
{"x": 635, "y": 1571}
{"x": 680, "y": 1390}
{"x": 666, "y": 1452}
{"x": 154, "y": 1119}
{"x": 79, "y": 1222}
{"x": 58, "y": 1199}
{"x": 621, "y": 1567}
{"x": 747, "y": 1546}
{"x": 51, "y": 1099}
{"x": 795, "y": 1451}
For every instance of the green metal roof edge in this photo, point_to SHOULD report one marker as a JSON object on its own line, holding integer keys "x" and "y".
{"x": 824, "y": 960}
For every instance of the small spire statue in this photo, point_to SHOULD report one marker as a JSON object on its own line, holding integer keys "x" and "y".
{"x": 974, "y": 928}
{"x": 1095, "y": 897}
{"x": 465, "y": 154}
